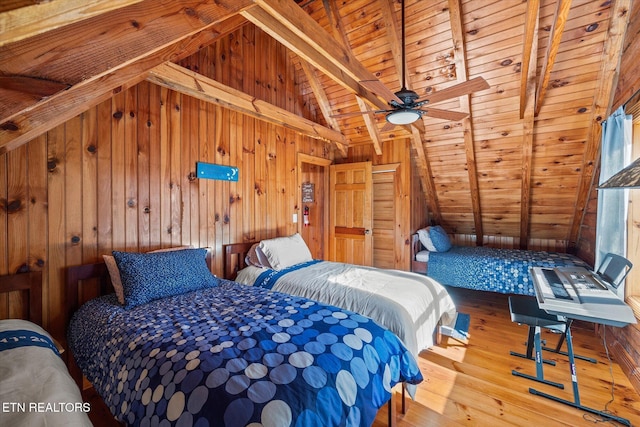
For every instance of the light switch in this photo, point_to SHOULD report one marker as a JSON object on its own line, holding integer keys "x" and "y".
{"x": 295, "y": 218}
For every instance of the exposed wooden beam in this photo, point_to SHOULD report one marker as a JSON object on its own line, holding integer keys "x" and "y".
{"x": 370, "y": 123}
{"x": 460, "y": 60}
{"x": 285, "y": 21}
{"x": 40, "y": 17}
{"x": 175, "y": 77}
{"x": 559, "y": 21}
{"x": 530, "y": 34}
{"x": 41, "y": 116}
{"x": 340, "y": 35}
{"x": 323, "y": 100}
{"x": 528, "y": 128}
{"x": 608, "y": 77}
{"x": 426, "y": 179}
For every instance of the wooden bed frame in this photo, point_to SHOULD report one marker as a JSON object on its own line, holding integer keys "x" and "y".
{"x": 75, "y": 276}
{"x": 234, "y": 255}
{"x": 31, "y": 284}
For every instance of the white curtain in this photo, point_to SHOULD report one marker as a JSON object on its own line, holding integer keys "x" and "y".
{"x": 611, "y": 228}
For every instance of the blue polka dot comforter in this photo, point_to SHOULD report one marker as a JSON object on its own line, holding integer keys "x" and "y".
{"x": 235, "y": 355}
{"x": 491, "y": 269}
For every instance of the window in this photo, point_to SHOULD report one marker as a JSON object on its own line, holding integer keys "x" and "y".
{"x": 632, "y": 290}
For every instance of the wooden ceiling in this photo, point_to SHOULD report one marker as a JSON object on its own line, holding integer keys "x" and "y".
{"x": 521, "y": 164}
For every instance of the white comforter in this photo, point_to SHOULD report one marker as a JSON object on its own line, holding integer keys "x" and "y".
{"x": 408, "y": 304}
{"x": 35, "y": 386}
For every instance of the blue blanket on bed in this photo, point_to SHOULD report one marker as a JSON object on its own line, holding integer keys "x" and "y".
{"x": 233, "y": 355}
{"x": 490, "y": 269}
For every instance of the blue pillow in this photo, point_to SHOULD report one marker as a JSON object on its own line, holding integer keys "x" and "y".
{"x": 150, "y": 276}
{"x": 439, "y": 238}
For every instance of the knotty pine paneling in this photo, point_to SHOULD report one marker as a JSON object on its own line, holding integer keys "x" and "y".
{"x": 117, "y": 177}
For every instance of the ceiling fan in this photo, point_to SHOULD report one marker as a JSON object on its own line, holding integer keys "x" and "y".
{"x": 406, "y": 107}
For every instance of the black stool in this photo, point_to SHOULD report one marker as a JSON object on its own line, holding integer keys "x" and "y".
{"x": 524, "y": 310}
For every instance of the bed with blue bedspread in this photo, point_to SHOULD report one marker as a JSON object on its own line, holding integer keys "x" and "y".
{"x": 483, "y": 268}
{"x": 233, "y": 355}
{"x": 491, "y": 269}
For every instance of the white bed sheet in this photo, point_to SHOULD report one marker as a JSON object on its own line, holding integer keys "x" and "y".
{"x": 35, "y": 386}
{"x": 408, "y": 304}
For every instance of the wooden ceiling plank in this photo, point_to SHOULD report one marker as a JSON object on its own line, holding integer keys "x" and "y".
{"x": 460, "y": 61}
{"x": 183, "y": 80}
{"x": 38, "y": 18}
{"x": 63, "y": 106}
{"x": 603, "y": 99}
{"x": 530, "y": 34}
{"x": 559, "y": 21}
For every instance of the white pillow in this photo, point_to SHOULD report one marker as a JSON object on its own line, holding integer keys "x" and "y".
{"x": 256, "y": 257}
{"x": 283, "y": 252}
{"x": 114, "y": 272}
{"x": 425, "y": 239}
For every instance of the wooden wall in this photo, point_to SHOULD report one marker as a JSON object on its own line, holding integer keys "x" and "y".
{"x": 119, "y": 175}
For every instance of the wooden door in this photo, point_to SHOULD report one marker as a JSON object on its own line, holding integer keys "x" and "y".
{"x": 387, "y": 217}
{"x": 351, "y": 218}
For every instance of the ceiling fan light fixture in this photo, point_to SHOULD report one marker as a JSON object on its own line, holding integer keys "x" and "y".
{"x": 403, "y": 117}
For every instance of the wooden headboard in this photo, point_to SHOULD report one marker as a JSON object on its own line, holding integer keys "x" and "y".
{"x": 31, "y": 284}
{"x": 234, "y": 255}
{"x": 75, "y": 276}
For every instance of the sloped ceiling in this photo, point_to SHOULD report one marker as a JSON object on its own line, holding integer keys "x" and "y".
{"x": 520, "y": 164}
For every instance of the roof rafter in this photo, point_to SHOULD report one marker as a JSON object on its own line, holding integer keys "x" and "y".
{"x": 559, "y": 21}
{"x": 460, "y": 58}
{"x": 290, "y": 25}
{"x": 21, "y": 23}
{"x": 530, "y": 34}
{"x": 341, "y": 36}
{"x": 322, "y": 99}
{"x": 161, "y": 34}
{"x": 528, "y": 127}
{"x": 180, "y": 79}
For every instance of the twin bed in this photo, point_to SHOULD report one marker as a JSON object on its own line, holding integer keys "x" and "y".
{"x": 35, "y": 386}
{"x": 481, "y": 268}
{"x": 217, "y": 352}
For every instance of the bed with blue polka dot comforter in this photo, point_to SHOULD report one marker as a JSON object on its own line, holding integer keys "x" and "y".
{"x": 235, "y": 355}
{"x": 492, "y": 269}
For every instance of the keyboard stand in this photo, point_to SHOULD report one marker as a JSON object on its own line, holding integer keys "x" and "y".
{"x": 576, "y": 393}
{"x": 558, "y": 350}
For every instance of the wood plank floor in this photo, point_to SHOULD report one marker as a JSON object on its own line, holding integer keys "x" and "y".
{"x": 470, "y": 383}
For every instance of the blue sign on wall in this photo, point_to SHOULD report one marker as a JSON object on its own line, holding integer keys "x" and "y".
{"x": 220, "y": 172}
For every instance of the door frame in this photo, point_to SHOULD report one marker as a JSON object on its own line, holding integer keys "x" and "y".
{"x": 324, "y": 163}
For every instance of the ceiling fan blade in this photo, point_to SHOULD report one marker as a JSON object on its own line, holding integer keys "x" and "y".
{"x": 377, "y": 87}
{"x": 387, "y": 127}
{"x": 443, "y": 114}
{"x": 455, "y": 91}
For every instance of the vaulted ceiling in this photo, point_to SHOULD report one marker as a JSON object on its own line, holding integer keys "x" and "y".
{"x": 519, "y": 164}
